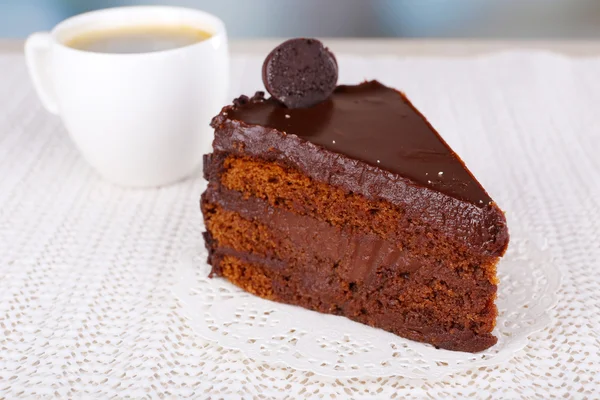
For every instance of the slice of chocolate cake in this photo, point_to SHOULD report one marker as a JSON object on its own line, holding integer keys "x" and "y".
{"x": 354, "y": 206}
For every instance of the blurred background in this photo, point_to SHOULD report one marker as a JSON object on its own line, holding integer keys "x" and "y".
{"x": 527, "y": 19}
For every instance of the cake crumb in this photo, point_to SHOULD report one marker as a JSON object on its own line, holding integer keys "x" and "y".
{"x": 287, "y": 115}
{"x": 428, "y": 181}
{"x": 480, "y": 201}
{"x": 441, "y": 173}
{"x": 333, "y": 141}
{"x": 378, "y": 161}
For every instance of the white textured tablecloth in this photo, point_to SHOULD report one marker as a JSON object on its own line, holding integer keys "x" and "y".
{"x": 86, "y": 267}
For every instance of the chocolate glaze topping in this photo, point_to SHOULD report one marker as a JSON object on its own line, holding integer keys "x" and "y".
{"x": 453, "y": 204}
{"x": 376, "y": 124}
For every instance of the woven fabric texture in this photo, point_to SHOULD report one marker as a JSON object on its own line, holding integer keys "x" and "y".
{"x": 86, "y": 268}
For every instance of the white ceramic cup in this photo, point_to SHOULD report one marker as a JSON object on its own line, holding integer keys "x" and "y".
{"x": 139, "y": 119}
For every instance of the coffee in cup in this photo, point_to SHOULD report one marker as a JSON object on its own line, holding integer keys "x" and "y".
{"x": 138, "y": 39}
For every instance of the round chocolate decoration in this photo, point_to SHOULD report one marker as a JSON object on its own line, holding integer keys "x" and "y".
{"x": 300, "y": 73}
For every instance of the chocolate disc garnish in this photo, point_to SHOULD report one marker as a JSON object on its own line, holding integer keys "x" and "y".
{"x": 300, "y": 73}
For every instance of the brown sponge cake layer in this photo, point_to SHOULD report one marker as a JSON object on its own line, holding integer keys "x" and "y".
{"x": 361, "y": 254}
{"x": 285, "y": 188}
{"x": 280, "y": 254}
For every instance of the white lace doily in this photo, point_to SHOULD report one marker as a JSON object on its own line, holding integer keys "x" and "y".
{"x": 335, "y": 346}
{"x": 87, "y": 268}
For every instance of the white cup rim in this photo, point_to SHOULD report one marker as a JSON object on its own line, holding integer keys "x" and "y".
{"x": 215, "y": 23}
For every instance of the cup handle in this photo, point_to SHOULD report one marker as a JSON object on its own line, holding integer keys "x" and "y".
{"x": 37, "y": 56}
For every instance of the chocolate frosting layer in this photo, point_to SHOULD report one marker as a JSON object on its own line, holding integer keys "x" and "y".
{"x": 360, "y": 256}
{"x": 359, "y": 118}
{"x": 375, "y": 124}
